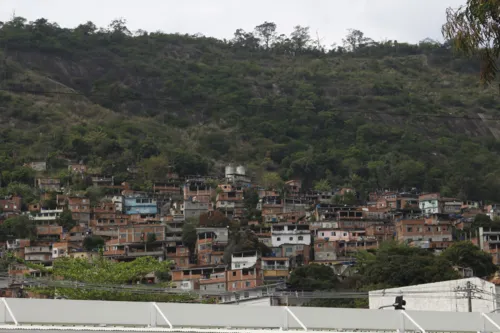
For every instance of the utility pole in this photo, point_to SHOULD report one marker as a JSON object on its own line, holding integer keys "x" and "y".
{"x": 469, "y": 295}
{"x": 469, "y": 292}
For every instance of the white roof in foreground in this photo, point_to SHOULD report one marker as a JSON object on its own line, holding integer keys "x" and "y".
{"x": 87, "y": 316}
{"x": 441, "y": 296}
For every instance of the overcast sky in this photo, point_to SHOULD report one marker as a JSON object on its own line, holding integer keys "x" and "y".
{"x": 402, "y": 20}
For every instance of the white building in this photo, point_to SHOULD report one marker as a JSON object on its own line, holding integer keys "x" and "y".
{"x": 429, "y": 205}
{"x": 243, "y": 259}
{"x": 118, "y": 201}
{"x": 47, "y": 216}
{"x": 440, "y": 296}
{"x": 290, "y": 234}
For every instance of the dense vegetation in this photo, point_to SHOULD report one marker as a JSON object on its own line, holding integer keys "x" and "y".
{"x": 393, "y": 265}
{"x": 367, "y": 114}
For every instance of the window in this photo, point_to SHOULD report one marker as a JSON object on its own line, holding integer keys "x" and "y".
{"x": 301, "y": 238}
{"x": 237, "y": 265}
{"x": 334, "y": 233}
{"x": 234, "y": 284}
{"x": 278, "y": 239}
{"x": 291, "y": 238}
{"x": 234, "y": 274}
{"x": 409, "y": 229}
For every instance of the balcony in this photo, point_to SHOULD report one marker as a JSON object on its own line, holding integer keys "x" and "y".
{"x": 173, "y": 229}
{"x": 173, "y": 238}
{"x": 225, "y": 204}
{"x": 114, "y": 253}
{"x": 48, "y": 230}
{"x": 108, "y": 233}
{"x": 38, "y": 257}
{"x": 275, "y": 267}
{"x": 51, "y": 217}
{"x": 215, "y": 279}
{"x": 37, "y": 249}
{"x": 290, "y": 232}
{"x": 275, "y": 273}
{"x": 145, "y": 254}
{"x": 80, "y": 209}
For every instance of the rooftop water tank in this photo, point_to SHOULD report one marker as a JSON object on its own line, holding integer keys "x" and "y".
{"x": 240, "y": 170}
{"x": 230, "y": 170}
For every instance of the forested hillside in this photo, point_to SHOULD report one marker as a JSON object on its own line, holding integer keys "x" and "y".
{"x": 368, "y": 114}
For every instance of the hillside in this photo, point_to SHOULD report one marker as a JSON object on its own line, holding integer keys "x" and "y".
{"x": 375, "y": 114}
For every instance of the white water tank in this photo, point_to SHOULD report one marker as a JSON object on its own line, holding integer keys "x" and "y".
{"x": 230, "y": 170}
{"x": 240, "y": 170}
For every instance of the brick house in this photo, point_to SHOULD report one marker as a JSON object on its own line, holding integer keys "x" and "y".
{"x": 418, "y": 233}
{"x": 11, "y": 204}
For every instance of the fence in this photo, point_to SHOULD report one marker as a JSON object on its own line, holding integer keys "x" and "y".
{"x": 38, "y": 314}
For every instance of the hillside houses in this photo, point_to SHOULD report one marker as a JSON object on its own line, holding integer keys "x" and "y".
{"x": 208, "y": 228}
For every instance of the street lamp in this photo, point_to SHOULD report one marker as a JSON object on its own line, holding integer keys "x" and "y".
{"x": 398, "y": 304}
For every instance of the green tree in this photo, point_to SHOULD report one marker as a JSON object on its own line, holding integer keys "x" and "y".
{"x": 26, "y": 192}
{"x": 266, "y": 32}
{"x": 466, "y": 254}
{"x": 322, "y": 185}
{"x": 300, "y": 37}
{"x": 250, "y": 200}
{"x": 395, "y": 265}
{"x": 189, "y": 234}
{"x": 65, "y": 220}
{"x": 51, "y": 201}
{"x": 354, "y": 40}
{"x": 272, "y": 181}
{"x": 151, "y": 239}
{"x": 313, "y": 277}
{"x": 155, "y": 168}
{"x": 88, "y": 274}
{"x": 95, "y": 194}
{"x": 243, "y": 240}
{"x": 349, "y": 198}
{"x": 18, "y": 227}
{"x": 473, "y": 29}
{"x": 91, "y": 243}
{"x": 482, "y": 220}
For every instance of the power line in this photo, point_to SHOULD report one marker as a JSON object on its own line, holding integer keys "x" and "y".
{"x": 213, "y": 103}
{"x": 423, "y": 294}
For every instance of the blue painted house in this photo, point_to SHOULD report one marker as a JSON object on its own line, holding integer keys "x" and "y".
{"x": 139, "y": 204}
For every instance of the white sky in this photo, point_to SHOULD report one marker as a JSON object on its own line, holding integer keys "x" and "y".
{"x": 401, "y": 20}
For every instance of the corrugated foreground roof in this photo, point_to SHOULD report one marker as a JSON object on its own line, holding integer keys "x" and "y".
{"x": 35, "y": 315}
